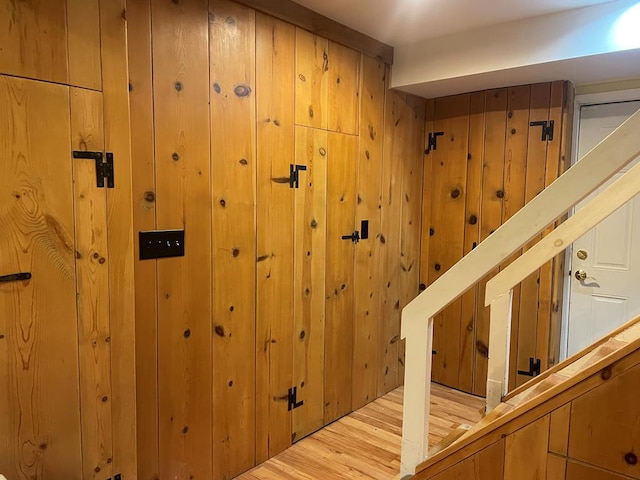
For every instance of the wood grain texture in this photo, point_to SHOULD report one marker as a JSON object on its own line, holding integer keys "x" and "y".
{"x": 344, "y": 89}
{"x": 185, "y": 330}
{"x": 144, "y": 219}
{"x": 113, "y": 41}
{"x": 233, "y": 159}
{"x": 39, "y": 413}
{"x": 311, "y": 21}
{"x": 312, "y": 79}
{"x": 366, "y": 443}
{"x": 83, "y": 24}
{"x": 488, "y": 464}
{"x": 339, "y": 281}
{"x": 556, "y": 467}
{"x": 515, "y": 167}
{"x": 490, "y": 215}
{"x": 410, "y": 226}
{"x": 604, "y": 427}
{"x": 390, "y": 241}
{"x": 34, "y": 39}
{"x": 449, "y": 178}
{"x": 368, "y": 275}
{"x": 92, "y": 287}
{"x": 275, "y": 54}
{"x": 525, "y": 455}
{"x": 581, "y": 471}
{"x": 559, "y": 430}
{"x": 309, "y": 280}
{"x": 473, "y": 198}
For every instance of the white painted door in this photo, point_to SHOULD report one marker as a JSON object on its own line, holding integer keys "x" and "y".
{"x": 609, "y": 254}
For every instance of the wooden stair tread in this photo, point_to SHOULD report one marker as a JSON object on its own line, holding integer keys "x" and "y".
{"x": 450, "y": 439}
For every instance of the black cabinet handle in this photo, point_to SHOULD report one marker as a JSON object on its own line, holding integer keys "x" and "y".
{"x": 15, "y": 277}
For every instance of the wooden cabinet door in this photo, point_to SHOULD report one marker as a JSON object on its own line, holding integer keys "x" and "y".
{"x": 55, "y": 385}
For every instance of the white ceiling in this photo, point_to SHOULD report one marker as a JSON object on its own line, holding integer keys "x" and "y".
{"x": 400, "y": 22}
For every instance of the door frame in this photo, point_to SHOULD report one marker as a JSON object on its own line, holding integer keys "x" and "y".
{"x": 599, "y": 98}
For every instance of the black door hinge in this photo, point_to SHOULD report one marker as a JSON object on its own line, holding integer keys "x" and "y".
{"x": 104, "y": 168}
{"x": 293, "y": 399}
{"x": 117, "y": 476}
{"x": 294, "y": 177}
{"x": 534, "y": 368}
{"x": 547, "y": 129}
{"x": 432, "y": 143}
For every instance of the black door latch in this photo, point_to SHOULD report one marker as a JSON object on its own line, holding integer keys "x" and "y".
{"x": 293, "y": 399}
{"x": 547, "y": 129}
{"x": 354, "y": 237}
{"x": 432, "y": 143}
{"x": 104, "y": 169}
{"x": 294, "y": 175}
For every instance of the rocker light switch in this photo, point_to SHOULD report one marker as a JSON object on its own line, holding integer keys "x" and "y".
{"x": 161, "y": 244}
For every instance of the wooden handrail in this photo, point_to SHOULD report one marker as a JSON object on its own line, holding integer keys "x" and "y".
{"x": 594, "y": 169}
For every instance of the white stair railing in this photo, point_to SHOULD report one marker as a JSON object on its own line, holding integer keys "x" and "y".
{"x": 500, "y": 288}
{"x": 595, "y": 168}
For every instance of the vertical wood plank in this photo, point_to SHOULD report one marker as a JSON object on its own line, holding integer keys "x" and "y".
{"x": 344, "y": 85}
{"x": 83, "y": 24}
{"x": 488, "y": 464}
{"x": 34, "y": 39}
{"x": 312, "y": 79}
{"x": 551, "y": 282}
{"x": 92, "y": 287}
{"x": 339, "y": 294}
{"x": 368, "y": 275}
{"x": 39, "y": 414}
{"x": 411, "y": 227}
{"x": 390, "y": 240}
{"x": 233, "y": 156}
{"x": 113, "y": 42}
{"x": 529, "y": 295}
{"x": 525, "y": 456}
{"x": 515, "y": 165}
{"x": 426, "y": 196}
{"x": 559, "y": 430}
{"x": 144, "y": 219}
{"x": 490, "y": 215}
{"x": 556, "y": 467}
{"x": 471, "y": 238}
{"x": 449, "y": 178}
{"x": 181, "y": 115}
{"x": 309, "y": 280}
{"x": 275, "y": 58}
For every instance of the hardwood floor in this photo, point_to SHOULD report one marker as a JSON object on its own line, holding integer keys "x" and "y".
{"x": 366, "y": 443}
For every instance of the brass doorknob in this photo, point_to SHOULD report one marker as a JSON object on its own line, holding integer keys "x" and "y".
{"x": 581, "y": 275}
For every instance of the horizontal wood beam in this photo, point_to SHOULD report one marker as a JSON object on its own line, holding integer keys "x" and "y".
{"x": 325, "y": 27}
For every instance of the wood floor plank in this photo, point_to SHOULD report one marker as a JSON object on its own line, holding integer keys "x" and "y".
{"x": 366, "y": 443}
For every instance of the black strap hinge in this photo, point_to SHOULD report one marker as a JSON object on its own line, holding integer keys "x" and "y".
{"x": 547, "y": 129}
{"x": 117, "y": 476}
{"x": 293, "y": 399}
{"x": 432, "y": 142}
{"x": 534, "y": 368}
{"x": 104, "y": 168}
{"x": 294, "y": 176}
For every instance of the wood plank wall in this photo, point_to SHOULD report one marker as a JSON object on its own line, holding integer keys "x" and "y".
{"x": 291, "y": 304}
{"x": 487, "y": 164}
{"x": 68, "y": 410}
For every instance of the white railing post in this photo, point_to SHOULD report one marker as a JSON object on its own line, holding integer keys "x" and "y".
{"x": 417, "y": 395}
{"x": 499, "y": 339}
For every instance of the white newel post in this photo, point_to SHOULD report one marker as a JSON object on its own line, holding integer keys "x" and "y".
{"x": 499, "y": 343}
{"x": 417, "y": 394}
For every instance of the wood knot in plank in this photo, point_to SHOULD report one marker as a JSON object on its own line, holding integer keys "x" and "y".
{"x": 482, "y": 349}
{"x": 242, "y": 90}
{"x": 219, "y": 329}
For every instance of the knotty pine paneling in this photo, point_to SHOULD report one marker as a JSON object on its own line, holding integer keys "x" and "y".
{"x": 144, "y": 219}
{"x": 312, "y": 79}
{"x": 40, "y": 425}
{"x": 504, "y": 163}
{"x": 368, "y": 274}
{"x": 233, "y": 159}
{"x": 344, "y": 89}
{"x": 275, "y": 54}
{"x": 309, "y": 286}
{"x": 92, "y": 286}
{"x": 183, "y": 176}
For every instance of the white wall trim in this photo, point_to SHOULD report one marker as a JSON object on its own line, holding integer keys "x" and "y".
{"x": 599, "y": 98}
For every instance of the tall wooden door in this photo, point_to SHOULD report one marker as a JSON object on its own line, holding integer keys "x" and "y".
{"x": 55, "y": 385}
